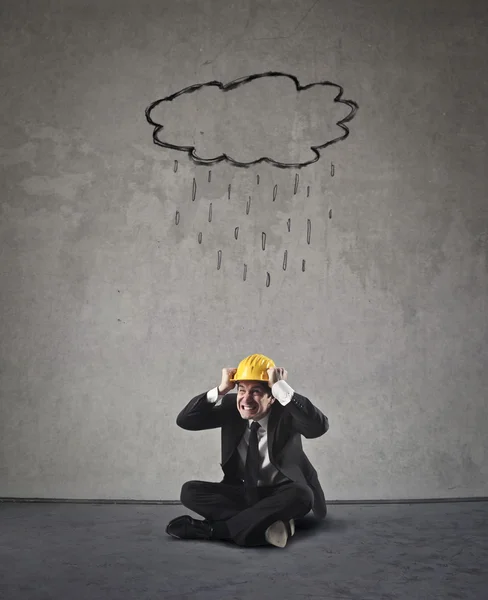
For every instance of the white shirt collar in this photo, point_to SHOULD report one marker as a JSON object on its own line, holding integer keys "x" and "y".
{"x": 263, "y": 422}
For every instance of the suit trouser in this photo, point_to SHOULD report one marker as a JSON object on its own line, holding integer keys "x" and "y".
{"x": 247, "y": 520}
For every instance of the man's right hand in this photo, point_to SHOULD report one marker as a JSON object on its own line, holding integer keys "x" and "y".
{"x": 226, "y": 385}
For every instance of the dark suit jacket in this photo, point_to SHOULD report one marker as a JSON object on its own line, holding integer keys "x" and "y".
{"x": 286, "y": 425}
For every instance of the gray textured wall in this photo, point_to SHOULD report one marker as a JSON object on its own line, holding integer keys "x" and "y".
{"x": 114, "y": 316}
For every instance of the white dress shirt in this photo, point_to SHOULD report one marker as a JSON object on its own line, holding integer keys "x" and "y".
{"x": 268, "y": 474}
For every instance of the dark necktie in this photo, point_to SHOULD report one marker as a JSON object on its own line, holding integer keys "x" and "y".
{"x": 253, "y": 459}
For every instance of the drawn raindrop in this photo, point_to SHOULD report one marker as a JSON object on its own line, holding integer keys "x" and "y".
{"x": 175, "y": 166}
{"x": 200, "y": 237}
{"x": 263, "y": 241}
{"x": 219, "y": 259}
{"x": 275, "y": 191}
{"x": 309, "y": 230}
{"x": 236, "y": 232}
{"x": 288, "y": 224}
{"x": 297, "y": 179}
{"x": 330, "y": 214}
{"x": 257, "y": 179}
{"x": 308, "y": 191}
{"x": 248, "y": 205}
{"x": 332, "y": 169}
{"x": 244, "y": 275}
{"x": 228, "y": 191}
{"x": 194, "y": 190}
{"x": 177, "y": 218}
{"x": 210, "y": 213}
{"x": 285, "y": 260}
{"x": 209, "y": 176}
{"x": 303, "y": 265}
{"x": 268, "y": 279}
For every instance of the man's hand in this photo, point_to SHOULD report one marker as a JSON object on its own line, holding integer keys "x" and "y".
{"x": 226, "y": 385}
{"x": 275, "y": 374}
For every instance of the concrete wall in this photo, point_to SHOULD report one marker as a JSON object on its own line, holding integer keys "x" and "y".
{"x": 114, "y": 314}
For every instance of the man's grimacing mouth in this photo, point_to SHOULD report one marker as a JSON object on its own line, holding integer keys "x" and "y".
{"x": 251, "y": 406}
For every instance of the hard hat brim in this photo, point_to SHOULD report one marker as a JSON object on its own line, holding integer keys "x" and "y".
{"x": 248, "y": 379}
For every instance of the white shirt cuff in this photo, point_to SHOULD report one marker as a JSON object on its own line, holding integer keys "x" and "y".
{"x": 282, "y": 392}
{"x": 213, "y": 395}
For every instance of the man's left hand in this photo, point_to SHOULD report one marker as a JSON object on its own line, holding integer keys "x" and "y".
{"x": 275, "y": 374}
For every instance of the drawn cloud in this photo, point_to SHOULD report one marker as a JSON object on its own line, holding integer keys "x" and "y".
{"x": 267, "y": 117}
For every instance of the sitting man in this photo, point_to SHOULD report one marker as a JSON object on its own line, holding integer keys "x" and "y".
{"x": 268, "y": 480}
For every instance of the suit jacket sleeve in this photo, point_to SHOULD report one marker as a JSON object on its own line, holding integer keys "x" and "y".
{"x": 307, "y": 419}
{"x": 201, "y": 414}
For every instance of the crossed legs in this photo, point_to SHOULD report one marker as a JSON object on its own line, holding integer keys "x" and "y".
{"x": 244, "y": 523}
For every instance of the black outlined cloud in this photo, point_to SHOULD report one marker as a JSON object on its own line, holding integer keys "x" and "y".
{"x": 262, "y": 118}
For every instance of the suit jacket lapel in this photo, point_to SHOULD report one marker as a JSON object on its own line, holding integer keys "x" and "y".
{"x": 233, "y": 436}
{"x": 272, "y": 424}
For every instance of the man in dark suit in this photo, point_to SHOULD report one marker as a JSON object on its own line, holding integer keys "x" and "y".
{"x": 268, "y": 480}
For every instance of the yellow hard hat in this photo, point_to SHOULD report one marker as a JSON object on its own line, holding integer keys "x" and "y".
{"x": 253, "y": 368}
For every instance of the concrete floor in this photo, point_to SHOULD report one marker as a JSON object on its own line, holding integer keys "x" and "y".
{"x": 361, "y": 552}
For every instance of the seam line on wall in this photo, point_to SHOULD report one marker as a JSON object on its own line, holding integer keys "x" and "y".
{"x": 178, "y": 503}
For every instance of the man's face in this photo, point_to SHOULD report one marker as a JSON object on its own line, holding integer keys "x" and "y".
{"x": 254, "y": 399}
